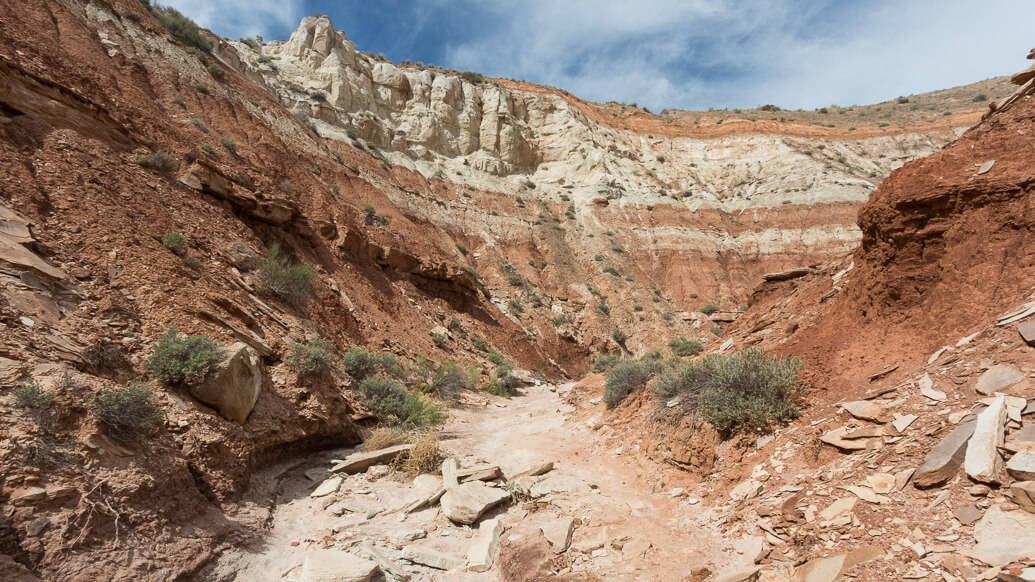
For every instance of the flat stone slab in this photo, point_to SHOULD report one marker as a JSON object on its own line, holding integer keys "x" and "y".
{"x": 482, "y": 551}
{"x": 865, "y": 410}
{"x": 1024, "y": 495}
{"x": 482, "y": 473}
{"x": 540, "y": 469}
{"x": 336, "y": 566}
{"x": 1022, "y": 466}
{"x": 1027, "y": 331}
{"x": 1022, "y": 441}
{"x": 830, "y": 568}
{"x": 998, "y": 377}
{"x": 467, "y": 502}
{"x": 967, "y": 514}
{"x": 432, "y": 558}
{"x": 942, "y": 462}
{"x": 1004, "y": 537}
{"x": 982, "y": 461}
{"x": 837, "y": 438}
{"x": 359, "y": 462}
{"x": 327, "y": 487}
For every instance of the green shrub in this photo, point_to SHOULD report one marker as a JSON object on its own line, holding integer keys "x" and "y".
{"x": 481, "y": 345}
{"x": 637, "y": 307}
{"x": 611, "y": 271}
{"x": 439, "y": 340}
{"x": 310, "y": 358}
{"x": 560, "y": 320}
{"x": 444, "y": 381}
{"x": 202, "y": 88}
{"x": 503, "y": 382}
{"x": 470, "y": 77}
{"x": 182, "y": 28}
{"x": 284, "y": 278}
{"x": 605, "y": 362}
{"x": 185, "y": 360}
{"x": 392, "y": 403}
{"x": 747, "y": 390}
{"x": 623, "y": 379}
{"x": 709, "y": 309}
{"x": 360, "y": 363}
{"x": 216, "y": 71}
{"x": 604, "y": 308}
{"x": 129, "y": 412}
{"x": 685, "y": 347}
{"x": 32, "y": 396}
{"x": 497, "y": 358}
{"x": 716, "y": 330}
{"x": 515, "y": 308}
{"x": 208, "y": 149}
{"x": 161, "y": 161}
{"x": 229, "y": 144}
{"x": 619, "y": 336}
{"x": 460, "y": 247}
{"x": 174, "y": 241}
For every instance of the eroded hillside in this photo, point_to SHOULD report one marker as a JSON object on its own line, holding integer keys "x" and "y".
{"x": 439, "y": 217}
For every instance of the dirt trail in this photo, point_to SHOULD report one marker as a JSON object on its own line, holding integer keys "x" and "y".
{"x": 623, "y": 531}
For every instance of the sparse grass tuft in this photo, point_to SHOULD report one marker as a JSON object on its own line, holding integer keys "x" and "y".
{"x": 425, "y": 456}
{"x": 287, "y": 279}
{"x": 174, "y": 241}
{"x": 161, "y": 161}
{"x": 312, "y": 357}
{"x": 384, "y": 437}
{"x": 129, "y": 412}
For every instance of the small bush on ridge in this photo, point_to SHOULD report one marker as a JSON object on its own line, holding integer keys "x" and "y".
{"x": 129, "y": 412}
{"x": 183, "y": 360}
{"x": 312, "y": 357}
{"x": 623, "y": 379}
{"x": 287, "y": 279}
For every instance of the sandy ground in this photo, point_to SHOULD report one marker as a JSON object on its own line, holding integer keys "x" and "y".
{"x": 636, "y": 534}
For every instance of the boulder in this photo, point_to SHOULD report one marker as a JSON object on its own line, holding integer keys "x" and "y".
{"x": 1022, "y": 467}
{"x": 1004, "y": 537}
{"x": 1024, "y": 495}
{"x": 467, "y": 502}
{"x": 359, "y": 462}
{"x": 482, "y": 551}
{"x": 336, "y": 566}
{"x": 432, "y": 558}
{"x": 998, "y": 377}
{"x": 942, "y": 462}
{"x": 982, "y": 461}
{"x": 232, "y": 386}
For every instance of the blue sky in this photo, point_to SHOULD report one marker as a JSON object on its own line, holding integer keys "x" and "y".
{"x": 691, "y": 54}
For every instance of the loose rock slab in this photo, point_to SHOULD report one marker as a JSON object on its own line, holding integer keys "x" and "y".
{"x": 836, "y": 437}
{"x": 359, "y": 462}
{"x": 558, "y": 533}
{"x": 1022, "y": 467}
{"x": 831, "y": 568}
{"x": 942, "y": 462}
{"x": 865, "y": 410}
{"x": 432, "y": 558}
{"x": 483, "y": 551}
{"x": 982, "y": 461}
{"x": 998, "y": 377}
{"x": 1004, "y": 536}
{"x": 1027, "y": 331}
{"x": 336, "y": 566}
{"x": 327, "y": 487}
{"x": 467, "y": 502}
{"x": 1024, "y": 495}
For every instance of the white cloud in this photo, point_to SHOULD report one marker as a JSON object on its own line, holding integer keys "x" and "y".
{"x": 701, "y": 53}
{"x": 241, "y": 18}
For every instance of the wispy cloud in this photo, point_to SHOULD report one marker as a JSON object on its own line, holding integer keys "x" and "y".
{"x": 701, "y": 53}
{"x": 677, "y": 53}
{"x": 242, "y": 18}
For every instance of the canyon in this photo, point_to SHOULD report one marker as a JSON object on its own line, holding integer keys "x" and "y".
{"x": 448, "y": 218}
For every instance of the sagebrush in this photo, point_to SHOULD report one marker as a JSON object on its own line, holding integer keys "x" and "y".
{"x": 185, "y": 360}
{"x": 311, "y": 357}
{"x": 287, "y": 279}
{"x": 129, "y": 412}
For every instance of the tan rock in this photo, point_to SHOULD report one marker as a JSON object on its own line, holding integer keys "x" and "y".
{"x": 831, "y": 568}
{"x": 902, "y": 422}
{"x": 942, "y": 462}
{"x": 482, "y": 551}
{"x": 1022, "y": 466}
{"x": 558, "y": 533}
{"x": 837, "y": 508}
{"x": 982, "y": 461}
{"x": 882, "y": 483}
{"x": 327, "y": 487}
{"x": 746, "y": 490}
{"x": 1004, "y": 537}
{"x": 359, "y": 462}
{"x": 997, "y": 378}
{"x": 335, "y": 566}
{"x": 467, "y": 502}
{"x": 1024, "y": 495}
{"x": 865, "y": 410}
{"x": 233, "y": 385}
{"x": 836, "y": 437}
{"x": 432, "y": 558}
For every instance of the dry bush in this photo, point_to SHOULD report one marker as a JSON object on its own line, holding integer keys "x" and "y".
{"x": 424, "y": 457}
{"x": 384, "y": 437}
